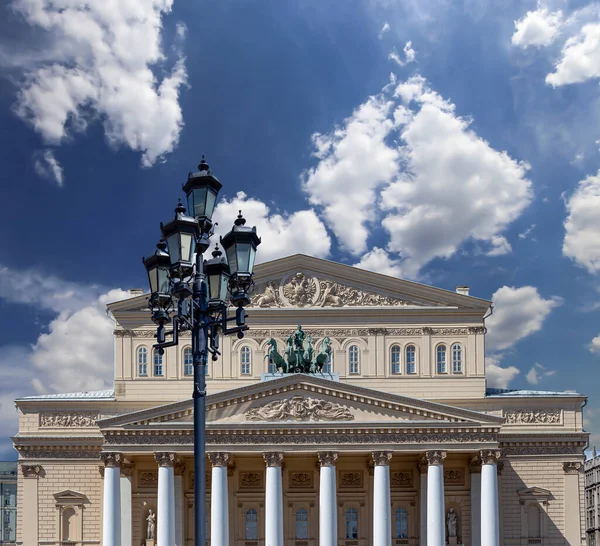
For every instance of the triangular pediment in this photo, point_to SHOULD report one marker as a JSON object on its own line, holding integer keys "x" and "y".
{"x": 307, "y": 400}
{"x": 70, "y": 496}
{"x": 536, "y": 492}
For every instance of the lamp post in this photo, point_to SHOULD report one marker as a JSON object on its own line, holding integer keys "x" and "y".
{"x": 191, "y": 294}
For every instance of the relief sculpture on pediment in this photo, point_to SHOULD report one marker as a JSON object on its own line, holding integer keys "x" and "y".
{"x": 299, "y": 408}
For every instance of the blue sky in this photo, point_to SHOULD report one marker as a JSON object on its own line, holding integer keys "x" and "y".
{"x": 447, "y": 142}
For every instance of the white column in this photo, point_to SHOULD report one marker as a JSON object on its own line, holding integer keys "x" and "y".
{"x": 422, "y": 466}
{"x": 126, "y": 508}
{"x": 165, "y": 517}
{"x": 327, "y": 499}
{"x": 436, "y": 524}
{"x": 111, "y": 506}
{"x": 475, "y": 467}
{"x": 219, "y": 507}
{"x": 382, "y": 503}
{"x": 490, "y": 523}
{"x": 179, "y": 470}
{"x": 273, "y": 500}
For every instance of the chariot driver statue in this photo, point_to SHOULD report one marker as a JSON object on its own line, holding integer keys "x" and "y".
{"x": 298, "y": 338}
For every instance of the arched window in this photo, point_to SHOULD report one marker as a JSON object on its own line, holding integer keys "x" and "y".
{"x": 396, "y": 359}
{"x": 533, "y": 521}
{"x": 69, "y": 527}
{"x": 158, "y": 363}
{"x": 301, "y": 524}
{"x": 328, "y": 366}
{"x": 353, "y": 359}
{"x": 142, "y": 361}
{"x": 246, "y": 361}
{"x": 251, "y": 525}
{"x": 188, "y": 361}
{"x": 457, "y": 358}
{"x": 272, "y": 367}
{"x": 411, "y": 359}
{"x": 401, "y": 523}
{"x": 351, "y": 523}
{"x": 441, "y": 359}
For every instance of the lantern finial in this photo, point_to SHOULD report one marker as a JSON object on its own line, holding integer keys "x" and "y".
{"x": 203, "y": 166}
{"x": 240, "y": 220}
{"x": 179, "y": 209}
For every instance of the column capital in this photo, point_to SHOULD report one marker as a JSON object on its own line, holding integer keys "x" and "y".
{"x": 381, "y": 458}
{"x": 219, "y": 458}
{"x": 111, "y": 460}
{"x": 31, "y": 470}
{"x": 475, "y": 465}
{"x": 165, "y": 459}
{"x": 127, "y": 469}
{"x": 435, "y": 457}
{"x": 572, "y": 467}
{"x": 179, "y": 467}
{"x": 273, "y": 459}
{"x": 422, "y": 465}
{"x": 489, "y": 456}
{"x": 327, "y": 458}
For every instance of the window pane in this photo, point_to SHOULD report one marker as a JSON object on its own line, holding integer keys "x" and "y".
{"x": 457, "y": 358}
{"x": 354, "y": 359}
{"x": 401, "y": 523}
{"x": 246, "y": 361}
{"x": 251, "y": 525}
{"x": 396, "y": 359}
{"x": 441, "y": 359}
{"x": 142, "y": 358}
{"x": 188, "y": 362}
{"x": 158, "y": 363}
{"x": 301, "y": 524}
{"x": 351, "y": 523}
{"x": 411, "y": 366}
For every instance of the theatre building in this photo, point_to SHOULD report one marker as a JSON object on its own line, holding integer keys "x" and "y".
{"x": 396, "y": 441}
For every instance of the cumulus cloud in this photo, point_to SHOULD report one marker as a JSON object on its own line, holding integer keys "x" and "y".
{"x": 409, "y": 55}
{"x": 538, "y": 372}
{"x": 406, "y": 161}
{"x": 282, "y": 234}
{"x": 499, "y": 377}
{"x": 537, "y": 28}
{"x": 105, "y": 66}
{"x": 385, "y": 28}
{"x": 47, "y": 166}
{"x": 582, "y": 225}
{"x": 379, "y": 260}
{"x": 595, "y": 345}
{"x": 518, "y": 313}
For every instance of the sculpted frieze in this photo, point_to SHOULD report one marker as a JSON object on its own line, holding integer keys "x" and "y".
{"x": 148, "y": 479}
{"x": 335, "y": 333}
{"x": 300, "y": 408}
{"x": 305, "y": 290}
{"x": 454, "y": 476}
{"x": 401, "y": 479}
{"x": 68, "y": 420}
{"x": 532, "y": 416}
{"x": 301, "y": 480}
{"x": 251, "y": 480}
{"x": 543, "y": 450}
{"x": 351, "y": 479}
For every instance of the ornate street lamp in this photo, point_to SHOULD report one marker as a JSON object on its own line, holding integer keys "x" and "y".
{"x": 192, "y": 295}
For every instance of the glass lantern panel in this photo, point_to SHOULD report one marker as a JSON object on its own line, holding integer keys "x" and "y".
{"x": 153, "y": 279}
{"x": 187, "y": 247}
{"x": 163, "y": 280}
{"x": 224, "y": 287}
{"x": 213, "y": 287}
{"x": 232, "y": 259}
{"x": 243, "y": 255}
{"x": 174, "y": 250}
{"x": 199, "y": 196}
{"x": 211, "y": 197}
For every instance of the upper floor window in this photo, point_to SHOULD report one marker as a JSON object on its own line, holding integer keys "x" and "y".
{"x": 328, "y": 366}
{"x": 401, "y": 523}
{"x": 441, "y": 359}
{"x": 396, "y": 359}
{"x": 158, "y": 363}
{"x": 188, "y": 361}
{"x": 246, "y": 360}
{"x": 251, "y": 525}
{"x": 351, "y": 523}
{"x": 353, "y": 359}
{"x": 142, "y": 361}
{"x": 272, "y": 367}
{"x": 457, "y": 358}
{"x": 301, "y": 524}
{"x": 411, "y": 359}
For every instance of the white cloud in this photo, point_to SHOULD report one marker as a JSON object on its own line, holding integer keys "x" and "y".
{"x": 499, "y": 246}
{"x": 497, "y": 376}
{"x": 282, "y": 234}
{"x": 582, "y": 225}
{"x": 385, "y": 28}
{"x": 409, "y": 55}
{"x": 107, "y": 59}
{"x": 518, "y": 313}
{"x": 379, "y": 260}
{"x": 538, "y": 372}
{"x": 595, "y": 345}
{"x": 580, "y": 58}
{"x": 537, "y": 28}
{"x": 47, "y": 166}
{"x": 525, "y": 234}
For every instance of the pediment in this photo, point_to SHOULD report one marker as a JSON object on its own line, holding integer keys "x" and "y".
{"x": 70, "y": 496}
{"x": 304, "y": 400}
{"x": 537, "y": 492}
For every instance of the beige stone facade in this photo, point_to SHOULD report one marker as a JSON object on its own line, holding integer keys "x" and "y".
{"x": 391, "y": 388}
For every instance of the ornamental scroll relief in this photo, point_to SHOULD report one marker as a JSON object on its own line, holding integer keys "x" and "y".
{"x": 532, "y": 416}
{"x": 303, "y": 290}
{"x": 67, "y": 420}
{"x": 299, "y": 408}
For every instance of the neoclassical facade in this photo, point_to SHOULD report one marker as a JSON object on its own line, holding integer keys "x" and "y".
{"x": 397, "y": 440}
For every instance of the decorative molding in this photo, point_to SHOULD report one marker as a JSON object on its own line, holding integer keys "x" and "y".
{"x": 165, "y": 459}
{"x": 127, "y": 469}
{"x": 489, "y": 456}
{"x": 351, "y": 479}
{"x": 179, "y": 467}
{"x": 65, "y": 419}
{"x": 533, "y": 416}
{"x": 301, "y": 480}
{"x": 542, "y": 450}
{"x": 336, "y": 333}
{"x": 148, "y": 478}
{"x": 219, "y": 458}
{"x": 231, "y": 469}
{"x": 273, "y": 459}
{"x": 449, "y": 331}
{"x": 327, "y": 458}
{"x": 454, "y": 476}
{"x": 207, "y": 480}
{"x": 435, "y": 457}
{"x": 572, "y": 467}
{"x": 475, "y": 465}
{"x": 401, "y": 479}
{"x": 111, "y": 460}
{"x": 31, "y": 470}
{"x": 251, "y": 480}
{"x": 58, "y": 452}
{"x": 299, "y": 408}
{"x": 476, "y": 330}
{"x": 381, "y": 458}
{"x": 422, "y": 465}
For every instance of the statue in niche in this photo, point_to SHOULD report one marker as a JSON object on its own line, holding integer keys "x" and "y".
{"x": 151, "y": 519}
{"x": 451, "y": 522}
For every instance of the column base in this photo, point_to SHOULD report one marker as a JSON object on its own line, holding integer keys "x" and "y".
{"x": 452, "y": 541}
{"x": 150, "y": 542}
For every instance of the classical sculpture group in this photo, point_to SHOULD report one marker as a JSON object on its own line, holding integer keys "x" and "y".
{"x": 299, "y": 355}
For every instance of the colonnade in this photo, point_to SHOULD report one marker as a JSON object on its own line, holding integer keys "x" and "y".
{"x": 484, "y": 500}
